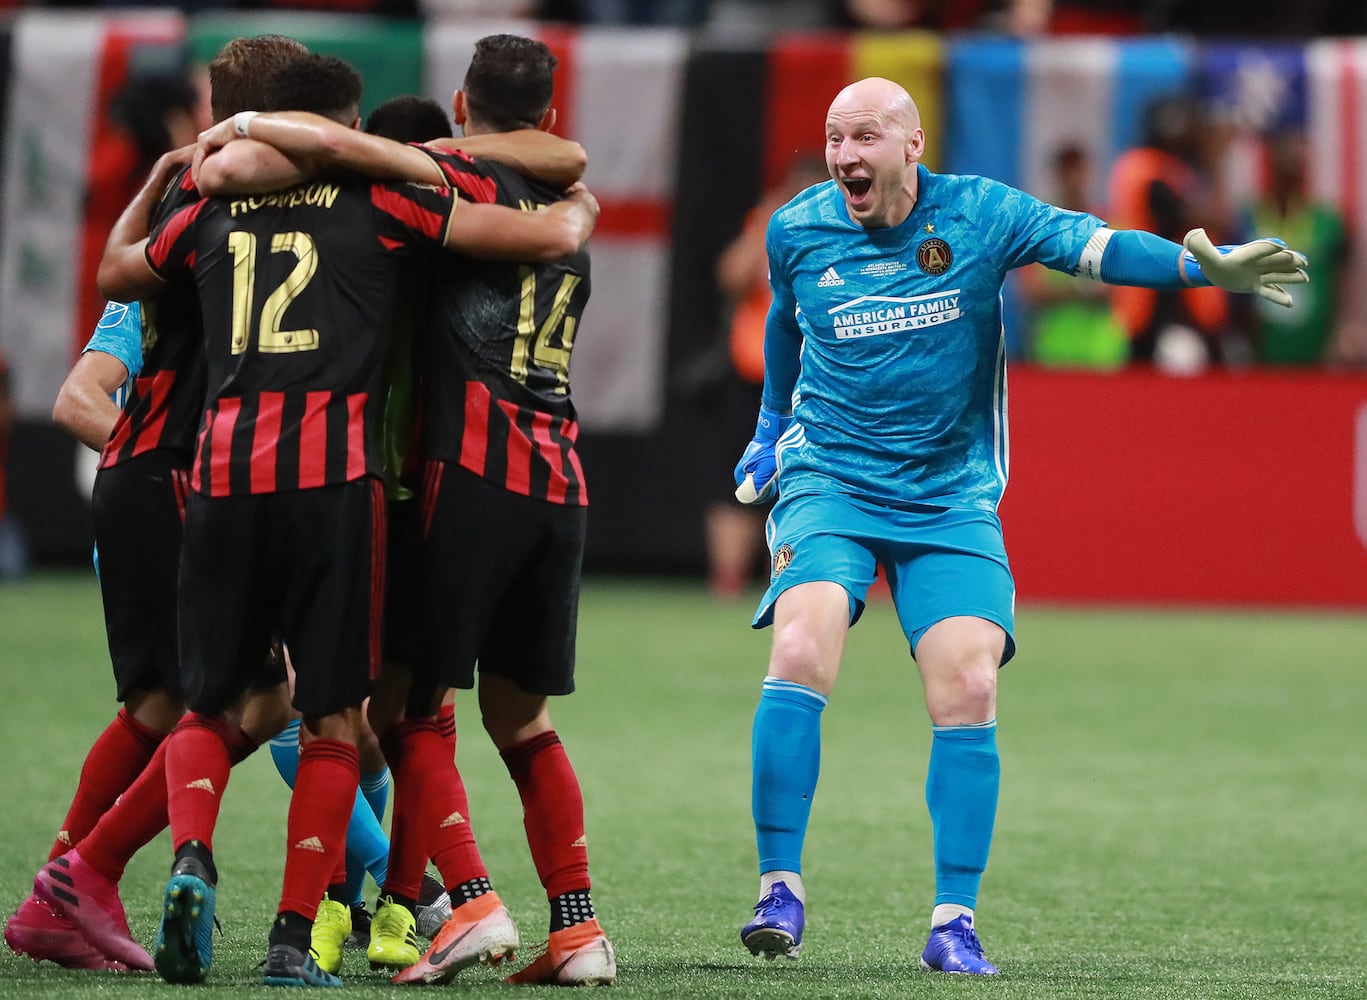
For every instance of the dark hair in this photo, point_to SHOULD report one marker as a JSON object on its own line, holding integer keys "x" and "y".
{"x": 142, "y": 106}
{"x": 409, "y": 119}
{"x": 509, "y": 83}
{"x": 324, "y": 85}
{"x": 237, "y": 75}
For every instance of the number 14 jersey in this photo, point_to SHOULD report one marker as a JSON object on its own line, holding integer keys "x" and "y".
{"x": 495, "y": 361}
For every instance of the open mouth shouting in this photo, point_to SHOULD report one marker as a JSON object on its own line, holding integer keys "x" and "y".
{"x": 857, "y": 189}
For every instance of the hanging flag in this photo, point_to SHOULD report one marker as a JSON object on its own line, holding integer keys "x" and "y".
{"x": 64, "y": 67}
{"x": 618, "y": 92}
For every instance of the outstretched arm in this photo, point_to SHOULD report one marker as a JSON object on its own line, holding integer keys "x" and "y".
{"x": 510, "y": 234}
{"x": 1135, "y": 257}
{"x": 536, "y": 153}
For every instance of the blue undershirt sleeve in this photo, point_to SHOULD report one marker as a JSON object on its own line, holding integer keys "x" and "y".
{"x": 782, "y": 349}
{"x": 1139, "y": 258}
{"x": 782, "y": 335}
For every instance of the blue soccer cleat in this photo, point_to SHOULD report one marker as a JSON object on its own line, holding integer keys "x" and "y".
{"x": 185, "y": 948}
{"x": 954, "y": 947}
{"x": 777, "y": 927}
{"x": 286, "y": 965}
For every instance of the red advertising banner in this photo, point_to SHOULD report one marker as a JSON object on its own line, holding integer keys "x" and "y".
{"x": 1227, "y": 488}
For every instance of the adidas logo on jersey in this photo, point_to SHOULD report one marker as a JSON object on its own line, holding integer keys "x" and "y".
{"x": 581, "y": 842}
{"x": 455, "y": 819}
{"x": 203, "y": 784}
{"x": 829, "y": 279}
{"x": 311, "y": 844}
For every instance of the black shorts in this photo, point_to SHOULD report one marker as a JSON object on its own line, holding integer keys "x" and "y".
{"x": 403, "y": 588}
{"x": 500, "y": 583}
{"x": 139, "y": 513}
{"x": 306, "y": 565}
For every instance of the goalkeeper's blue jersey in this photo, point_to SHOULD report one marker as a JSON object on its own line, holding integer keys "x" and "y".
{"x": 901, "y": 396}
{"x": 119, "y": 332}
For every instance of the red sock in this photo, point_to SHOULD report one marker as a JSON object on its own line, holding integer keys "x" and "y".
{"x": 115, "y": 760}
{"x": 446, "y": 725}
{"x": 138, "y": 816}
{"x": 198, "y": 761}
{"x": 552, "y": 812}
{"x": 437, "y": 801}
{"x": 407, "y": 850}
{"x": 324, "y": 791}
{"x": 140, "y": 813}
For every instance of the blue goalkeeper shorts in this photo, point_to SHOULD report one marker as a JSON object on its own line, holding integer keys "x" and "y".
{"x": 940, "y": 562}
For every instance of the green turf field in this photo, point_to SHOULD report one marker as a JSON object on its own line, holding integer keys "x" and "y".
{"x": 1184, "y": 808}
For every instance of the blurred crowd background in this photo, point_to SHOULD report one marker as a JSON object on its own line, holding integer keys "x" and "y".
{"x": 700, "y": 117}
{"x": 1256, "y": 17}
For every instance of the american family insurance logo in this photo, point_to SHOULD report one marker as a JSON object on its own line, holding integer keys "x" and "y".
{"x": 875, "y": 315}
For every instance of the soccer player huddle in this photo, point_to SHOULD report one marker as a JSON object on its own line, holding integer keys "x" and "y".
{"x": 301, "y": 296}
{"x": 345, "y": 477}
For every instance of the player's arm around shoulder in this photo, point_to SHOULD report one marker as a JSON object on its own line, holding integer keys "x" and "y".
{"x": 252, "y": 153}
{"x": 542, "y": 236}
{"x": 123, "y": 272}
{"x": 532, "y": 152}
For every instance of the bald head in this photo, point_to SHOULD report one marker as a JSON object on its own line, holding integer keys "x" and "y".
{"x": 874, "y": 141}
{"x": 874, "y": 95}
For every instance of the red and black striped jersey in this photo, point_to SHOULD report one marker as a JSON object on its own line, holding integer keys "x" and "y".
{"x": 297, "y": 291}
{"x": 167, "y": 397}
{"x": 496, "y": 361}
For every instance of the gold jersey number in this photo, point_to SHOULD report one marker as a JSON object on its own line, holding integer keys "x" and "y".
{"x": 270, "y": 338}
{"x": 546, "y": 345}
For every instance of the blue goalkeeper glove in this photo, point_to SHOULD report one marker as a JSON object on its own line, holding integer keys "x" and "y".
{"x": 758, "y": 466}
{"x": 1261, "y": 267}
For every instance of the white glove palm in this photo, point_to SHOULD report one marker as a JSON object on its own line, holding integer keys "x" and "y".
{"x": 1262, "y": 266}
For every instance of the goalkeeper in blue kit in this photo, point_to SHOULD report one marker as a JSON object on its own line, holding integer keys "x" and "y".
{"x": 883, "y": 435}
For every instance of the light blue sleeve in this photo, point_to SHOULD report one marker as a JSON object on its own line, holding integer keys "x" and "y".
{"x": 782, "y": 335}
{"x": 119, "y": 333}
{"x": 1136, "y": 257}
{"x": 1031, "y": 231}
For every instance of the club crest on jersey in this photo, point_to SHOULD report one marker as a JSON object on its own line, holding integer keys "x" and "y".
{"x": 783, "y": 558}
{"x": 934, "y": 256}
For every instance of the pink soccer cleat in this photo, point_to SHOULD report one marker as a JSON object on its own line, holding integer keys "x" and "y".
{"x": 91, "y": 902}
{"x": 44, "y": 936}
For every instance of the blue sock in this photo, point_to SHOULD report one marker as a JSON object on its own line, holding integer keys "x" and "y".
{"x": 961, "y": 792}
{"x": 367, "y": 845}
{"x": 285, "y": 752}
{"x": 375, "y": 788}
{"x": 786, "y": 757}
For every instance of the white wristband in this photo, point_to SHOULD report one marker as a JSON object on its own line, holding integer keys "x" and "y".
{"x": 242, "y": 123}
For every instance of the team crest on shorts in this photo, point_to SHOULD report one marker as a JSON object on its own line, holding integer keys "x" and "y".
{"x": 934, "y": 256}
{"x": 783, "y": 558}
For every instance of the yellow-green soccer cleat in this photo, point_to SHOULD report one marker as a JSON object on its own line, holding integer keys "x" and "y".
{"x": 331, "y": 927}
{"x": 393, "y": 937}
